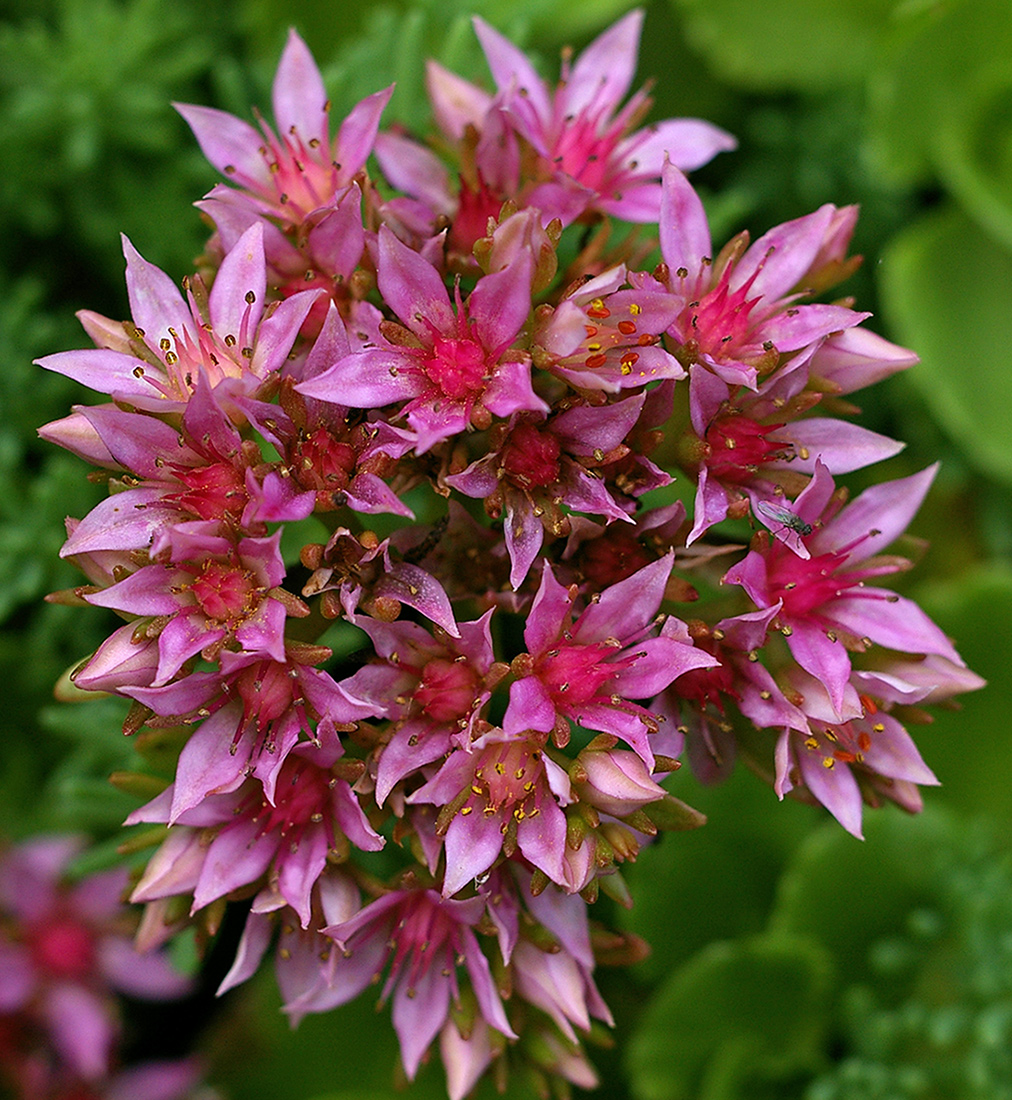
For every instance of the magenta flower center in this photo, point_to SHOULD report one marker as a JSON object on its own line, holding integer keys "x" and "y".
{"x": 738, "y": 447}
{"x": 63, "y": 948}
{"x": 212, "y": 492}
{"x": 447, "y": 689}
{"x": 301, "y": 798}
{"x": 302, "y": 174}
{"x": 582, "y": 153}
{"x": 225, "y": 593}
{"x": 530, "y": 459}
{"x": 456, "y": 366}
{"x": 720, "y": 323}
{"x": 806, "y": 585}
{"x": 575, "y": 674}
{"x": 423, "y": 935}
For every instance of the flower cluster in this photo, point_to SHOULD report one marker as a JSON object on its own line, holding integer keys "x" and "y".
{"x": 450, "y": 349}
{"x": 65, "y": 952}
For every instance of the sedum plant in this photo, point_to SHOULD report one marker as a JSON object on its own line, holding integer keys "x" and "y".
{"x": 452, "y": 503}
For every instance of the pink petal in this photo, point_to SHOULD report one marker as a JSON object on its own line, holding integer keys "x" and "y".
{"x": 530, "y": 707}
{"x": 358, "y": 132}
{"x": 83, "y": 1029}
{"x": 836, "y": 788}
{"x": 604, "y": 71}
{"x": 825, "y": 660}
{"x": 688, "y": 143}
{"x": 511, "y": 70}
{"x": 684, "y": 231}
{"x": 156, "y": 303}
{"x": 419, "y": 1011}
{"x": 472, "y": 845}
{"x": 501, "y": 302}
{"x": 238, "y": 856}
{"x": 892, "y": 621}
{"x": 456, "y": 103}
{"x": 628, "y": 606}
{"x": 842, "y": 446}
{"x": 413, "y": 288}
{"x": 885, "y": 509}
{"x": 230, "y": 144}
{"x": 243, "y": 273}
{"x": 783, "y": 255}
{"x": 298, "y": 95}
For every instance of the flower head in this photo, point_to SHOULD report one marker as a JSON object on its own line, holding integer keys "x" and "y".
{"x": 826, "y": 609}
{"x": 229, "y": 335}
{"x": 290, "y": 174}
{"x": 448, "y": 366}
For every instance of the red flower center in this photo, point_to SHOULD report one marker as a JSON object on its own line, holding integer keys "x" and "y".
{"x": 738, "y": 448}
{"x": 530, "y": 459}
{"x": 707, "y": 685}
{"x": 574, "y": 674}
{"x": 446, "y": 690}
{"x": 301, "y": 798}
{"x": 63, "y": 948}
{"x": 323, "y": 463}
{"x": 612, "y": 557}
{"x": 474, "y": 208}
{"x": 457, "y": 367}
{"x": 805, "y": 585}
{"x": 216, "y": 491}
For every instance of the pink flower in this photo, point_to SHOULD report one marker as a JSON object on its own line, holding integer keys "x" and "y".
{"x": 229, "y": 335}
{"x": 433, "y": 689}
{"x": 591, "y": 670}
{"x": 211, "y": 591}
{"x": 310, "y": 815}
{"x": 300, "y": 170}
{"x": 450, "y": 365}
{"x": 605, "y": 336}
{"x": 589, "y": 147}
{"x": 254, "y": 712}
{"x": 533, "y": 469}
{"x": 748, "y": 447}
{"x": 587, "y": 153}
{"x": 696, "y": 703}
{"x": 738, "y": 312}
{"x": 64, "y": 951}
{"x": 845, "y": 763}
{"x": 501, "y": 794}
{"x": 826, "y": 609}
{"x": 425, "y": 939}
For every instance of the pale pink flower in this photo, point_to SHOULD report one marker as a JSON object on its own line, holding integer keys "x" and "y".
{"x": 229, "y": 335}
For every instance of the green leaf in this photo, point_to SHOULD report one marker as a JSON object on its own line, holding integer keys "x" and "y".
{"x": 969, "y": 747}
{"x": 806, "y": 45}
{"x": 737, "y": 1016}
{"x": 846, "y": 893}
{"x": 694, "y": 887}
{"x": 928, "y": 81}
{"x": 973, "y": 146}
{"x": 945, "y": 286}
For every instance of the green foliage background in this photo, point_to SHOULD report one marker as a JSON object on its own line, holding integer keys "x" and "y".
{"x": 789, "y": 959}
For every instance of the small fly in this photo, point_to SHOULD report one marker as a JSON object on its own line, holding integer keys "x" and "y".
{"x": 791, "y": 520}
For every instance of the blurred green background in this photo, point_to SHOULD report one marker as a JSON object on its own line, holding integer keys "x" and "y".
{"x": 789, "y": 959}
